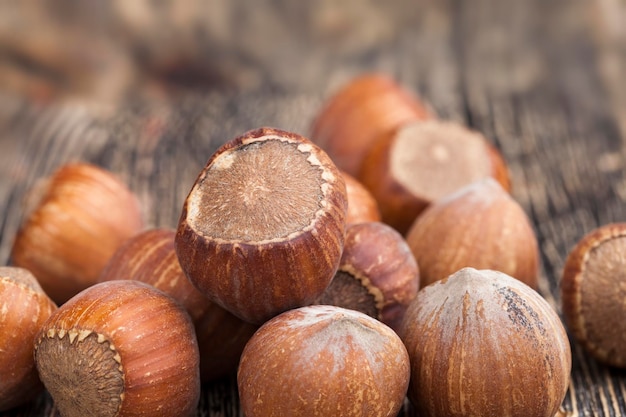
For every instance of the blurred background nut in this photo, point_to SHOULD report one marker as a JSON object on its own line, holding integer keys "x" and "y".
{"x": 24, "y": 309}
{"x": 410, "y": 167}
{"x": 593, "y": 290}
{"x": 78, "y": 217}
{"x": 362, "y": 207}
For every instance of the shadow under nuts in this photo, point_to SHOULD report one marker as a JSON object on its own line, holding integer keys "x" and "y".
{"x": 484, "y": 344}
{"x": 262, "y": 229}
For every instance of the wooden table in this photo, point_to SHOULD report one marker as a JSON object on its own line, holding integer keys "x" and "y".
{"x": 543, "y": 80}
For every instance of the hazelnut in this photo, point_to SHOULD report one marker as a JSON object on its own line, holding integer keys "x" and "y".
{"x": 484, "y": 344}
{"x": 479, "y": 226}
{"x": 362, "y": 207}
{"x": 150, "y": 257}
{"x": 323, "y": 361}
{"x": 408, "y": 168}
{"x": 377, "y": 275}
{"x": 593, "y": 290}
{"x": 262, "y": 229}
{"x": 80, "y": 215}
{"x": 120, "y": 348}
{"x": 24, "y": 309}
{"x": 358, "y": 113}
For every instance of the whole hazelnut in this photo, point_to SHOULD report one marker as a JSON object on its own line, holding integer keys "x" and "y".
{"x": 323, "y": 361}
{"x": 362, "y": 207}
{"x": 377, "y": 275}
{"x": 262, "y": 229}
{"x": 120, "y": 348}
{"x": 362, "y": 110}
{"x": 482, "y": 343}
{"x": 80, "y": 215}
{"x": 150, "y": 257}
{"x": 408, "y": 168}
{"x": 479, "y": 226}
{"x": 24, "y": 308}
{"x": 593, "y": 290}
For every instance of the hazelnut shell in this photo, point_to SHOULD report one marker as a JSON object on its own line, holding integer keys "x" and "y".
{"x": 262, "y": 229}
{"x": 484, "y": 344}
{"x": 362, "y": 207}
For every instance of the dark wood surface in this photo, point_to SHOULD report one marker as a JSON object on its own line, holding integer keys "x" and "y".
{"x": 545, "y": 81}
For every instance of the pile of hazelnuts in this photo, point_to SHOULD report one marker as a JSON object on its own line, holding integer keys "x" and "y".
{"x": 383, "y": 259}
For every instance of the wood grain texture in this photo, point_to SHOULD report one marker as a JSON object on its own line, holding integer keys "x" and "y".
{"x": 544, "y": 81}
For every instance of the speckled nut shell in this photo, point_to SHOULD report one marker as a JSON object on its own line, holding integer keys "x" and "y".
{"x": 484, "y": 344}
{"x": 359, "y": 112}
{"x": 120, "y": 348}
{"x": 593, "y": 293}
{"x": 24, "y": 307}
{"x": 323, "y": 361}
{"x": 262, "y": 229}
{"x": 408, "y": 168}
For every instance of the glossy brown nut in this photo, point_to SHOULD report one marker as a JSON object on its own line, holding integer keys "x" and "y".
{"x": 120, "y": 348}
{"x": 262, "y": 229}
{"x": 24, "y": 307}
{"x": 362, "y": 207}
{"x": 150, "y": 257}
{"x": 484, "y": 344}
{"x": 323, "y": 361}
{"x": 79, "y": 217}
{"x": 593, "y": 290}
{"x": 411, "y": 167}
{"x": 479, "y": 226}
{"x": 377, "y": 275}
{"x": 358, "y": 113}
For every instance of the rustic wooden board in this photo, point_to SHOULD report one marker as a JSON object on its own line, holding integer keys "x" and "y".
{"x": 543, "y": 80}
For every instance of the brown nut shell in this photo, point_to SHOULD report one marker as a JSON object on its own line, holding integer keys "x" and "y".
{"x": 24, "y": 307}
{"x": 323, "y": 361}
{"x": 150, "y": 257}
{"x": 362, "y": 207}
{"x": 484, "y": 344}
{"x": 80, "y": 216}
{"x": 479, "y": 226}
{"x": 358, "y": 113}
{"x": 120, "y": 348}
{"x": 262, "y": 229}
{"x": 377, "y": 275}
{"x": 593, "y": 290}
{"x": 409, "y": 168}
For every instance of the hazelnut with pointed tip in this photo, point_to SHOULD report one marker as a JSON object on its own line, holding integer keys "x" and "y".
{"x": 79, "y": 216}
{"x": 479, "y": 226}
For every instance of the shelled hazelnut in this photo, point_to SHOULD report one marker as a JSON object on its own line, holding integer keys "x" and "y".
{"x": 593, "y": 290}
{"x": 323, "y": 361}
{"x": 24, "y": 309}
{"x": 120, "y": 348}
{"x": 79, "y": 216}
{"x": 482, "y": 343}
{"x": 262, "y": 228}
{"x": 362, "y": 110}
{"x": 377, "y": 275}
{"x": 150, "y": 257}
{"x": 479, "y": 226}
{"x": 418, "y": 163}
